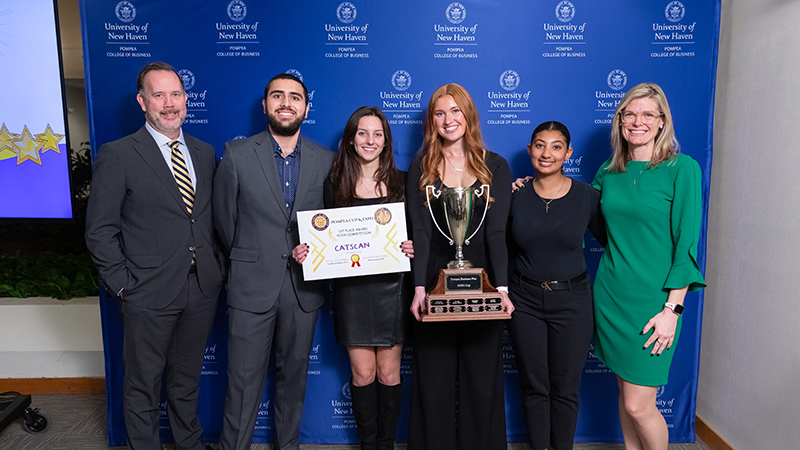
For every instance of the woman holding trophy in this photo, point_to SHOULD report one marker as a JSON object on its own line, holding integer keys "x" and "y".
{"x": 369, "y": 312}
{"x": 457, "y": 394}
{"x": 554, "y": 320}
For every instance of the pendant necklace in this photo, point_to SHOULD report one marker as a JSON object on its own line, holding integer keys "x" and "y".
{"x": 638, "y": 175}
{"x": 451, "y": 165}
{"x": 370, "y": 192}
{"x": 547, "y": 202}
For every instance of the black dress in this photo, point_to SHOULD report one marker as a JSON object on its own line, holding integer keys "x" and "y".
{"x": 371, "y": 310}
{"x": 551, "y": 329}
{"x": 457, "y": 394}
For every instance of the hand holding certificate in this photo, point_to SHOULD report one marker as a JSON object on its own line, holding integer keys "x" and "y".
{"x": 355, "y": 241}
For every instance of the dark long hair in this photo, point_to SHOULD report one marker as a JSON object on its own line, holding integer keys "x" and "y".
{"x": 346, "y": 168}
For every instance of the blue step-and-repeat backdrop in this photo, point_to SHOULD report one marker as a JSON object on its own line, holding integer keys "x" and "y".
{"x": 523, "y": 61}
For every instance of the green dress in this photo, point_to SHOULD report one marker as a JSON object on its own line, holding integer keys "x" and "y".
{"x": 653, "y": 219}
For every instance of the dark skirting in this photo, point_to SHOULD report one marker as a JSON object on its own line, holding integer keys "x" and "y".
{"x": 371, "y": 310}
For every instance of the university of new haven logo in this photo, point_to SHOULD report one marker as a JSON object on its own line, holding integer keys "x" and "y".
{"x": 237, "y": 10}
{"x": 346, "y": 12}
{"x": 188, "y": 78}
{"x": 675, "y": 11}
{"x": 617, "y": 79}
{"x": 456, "y": 12}
{"x": 401, "y": 80}
{"x": 125, "y": 11}
{"x": 346, "y": 391}
{"x": 320, "y": 222}
{"x": 509, "y": 80}
{"x": 565, "y": 11}
{"x": 296, "y": 73}
{"x": 660, "y": 391}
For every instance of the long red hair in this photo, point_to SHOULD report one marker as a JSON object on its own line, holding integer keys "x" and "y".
{"x": 475, "y": 149}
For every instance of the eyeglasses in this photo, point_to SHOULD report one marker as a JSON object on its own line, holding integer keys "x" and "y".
{"x": 648, "y": 117}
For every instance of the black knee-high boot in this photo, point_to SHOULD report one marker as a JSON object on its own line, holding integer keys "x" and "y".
{"x": 365, "y": 411}
{"x": 390, "y": 401}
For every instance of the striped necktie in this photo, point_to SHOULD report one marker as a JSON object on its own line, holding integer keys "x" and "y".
{"x": 182, "y": 175}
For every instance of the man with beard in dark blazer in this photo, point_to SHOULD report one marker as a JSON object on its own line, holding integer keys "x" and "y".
{"x": 260, "y": 185}
{"x": 149, "y": 228}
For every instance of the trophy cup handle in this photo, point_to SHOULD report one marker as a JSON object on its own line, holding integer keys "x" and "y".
{"x": 483, "y": 190}
{"x": 432, "y": 190}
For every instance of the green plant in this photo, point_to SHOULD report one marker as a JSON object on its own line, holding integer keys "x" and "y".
{"x": 47, "y": 274}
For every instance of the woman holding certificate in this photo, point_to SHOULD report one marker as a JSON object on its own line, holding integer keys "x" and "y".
{"x": 457, "y": 393}
{"x": 369, "y": 312}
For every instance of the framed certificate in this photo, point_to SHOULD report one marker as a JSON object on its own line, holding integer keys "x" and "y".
{"x": 355, "y": 241}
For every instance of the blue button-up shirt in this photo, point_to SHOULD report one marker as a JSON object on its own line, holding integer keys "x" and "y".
{"x": 288, "y": 171}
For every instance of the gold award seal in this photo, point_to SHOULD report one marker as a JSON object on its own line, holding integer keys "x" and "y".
{"x": 383, "y": 216}
{"x": 320, "y": 222}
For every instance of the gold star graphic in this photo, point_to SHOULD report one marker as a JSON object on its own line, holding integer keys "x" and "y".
{"x": 27, "y": 147}
{"x": 7, "y": 149}
{"x": 50, "y": 140}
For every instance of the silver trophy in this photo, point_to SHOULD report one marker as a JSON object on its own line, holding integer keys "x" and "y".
{"x": 458, "y": 205}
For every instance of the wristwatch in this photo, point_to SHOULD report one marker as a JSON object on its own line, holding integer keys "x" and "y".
{"x": 676, "y": 308}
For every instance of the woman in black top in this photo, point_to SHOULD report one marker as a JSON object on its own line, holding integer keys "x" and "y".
{"x": 457, "y": 393}
{"x": 553, "y": 323}
{"x": 369, "y": 312}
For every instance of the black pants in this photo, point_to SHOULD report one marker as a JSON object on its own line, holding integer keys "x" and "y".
{"x": 170, "y": 342}
{"x": 457, "y": 398}
{"x": 551, "y": 332}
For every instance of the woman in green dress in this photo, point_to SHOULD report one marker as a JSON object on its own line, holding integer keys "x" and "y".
{"x": 651, "y": 200}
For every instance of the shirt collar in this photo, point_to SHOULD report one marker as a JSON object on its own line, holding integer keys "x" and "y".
{"x": 277, "y": 148}
{"x": 161, "y": 139}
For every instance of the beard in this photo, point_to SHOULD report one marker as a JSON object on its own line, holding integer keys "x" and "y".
{"x": 284, "y": 128}
{"x": 160, "y": 126}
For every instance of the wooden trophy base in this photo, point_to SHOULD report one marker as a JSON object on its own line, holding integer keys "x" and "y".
{"x": 464, "y": 294}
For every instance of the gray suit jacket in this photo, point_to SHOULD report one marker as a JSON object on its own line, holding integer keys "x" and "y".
{"x": 137, "y": 228}
{"x": 251, "y": 219}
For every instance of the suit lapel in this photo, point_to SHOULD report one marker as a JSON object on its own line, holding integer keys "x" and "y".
{"x": 201, "y": 170}
{"x": 148, "y": 150}
{"x": 307, "y": 162}
{"x": 266, "y": 158}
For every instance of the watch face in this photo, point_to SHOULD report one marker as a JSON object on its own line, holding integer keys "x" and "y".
{"x": 678, "y": 309}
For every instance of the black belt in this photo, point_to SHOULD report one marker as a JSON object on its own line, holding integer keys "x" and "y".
{"x": 192, "y": 269}
{"x": 578, "y": 283}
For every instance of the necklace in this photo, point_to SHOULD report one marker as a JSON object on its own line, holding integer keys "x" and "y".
{"x": 370, "y": 192}
{"x": 547, "y": 202}
{"x": 451, "y": 165}
{"x": 635, "y": 177}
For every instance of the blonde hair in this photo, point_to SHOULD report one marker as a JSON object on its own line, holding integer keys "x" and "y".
{"x": 473, "y": 141}
{"x": 665, "y": 145}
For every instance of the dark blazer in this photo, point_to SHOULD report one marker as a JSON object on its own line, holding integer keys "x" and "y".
{"x": 137, "y": 228}
{"x": 252, "y": 222}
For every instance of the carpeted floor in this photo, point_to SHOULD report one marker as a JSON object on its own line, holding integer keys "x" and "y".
{"x": 79, "y": 422}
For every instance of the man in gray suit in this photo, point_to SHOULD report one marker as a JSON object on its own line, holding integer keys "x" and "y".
{"x": 260, "y": 185}
{"x": 149, "y": 228}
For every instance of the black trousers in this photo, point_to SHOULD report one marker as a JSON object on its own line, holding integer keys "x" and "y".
{"x": 169, "y": 342}
{"x": 251, "y": 337}
{"x": 457, "y": 398}
{"x": 550, "y": 332}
